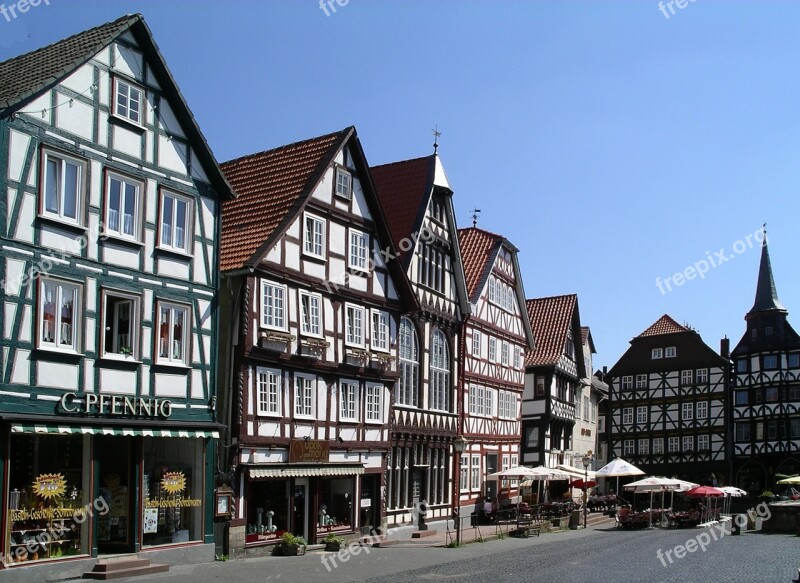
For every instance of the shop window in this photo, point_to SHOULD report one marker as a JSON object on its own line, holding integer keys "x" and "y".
{"x": 267, "y": 510}
{"x": 172, "y": 491}
{"x": 48, "y": 502}
{"x": 335, "y": 512}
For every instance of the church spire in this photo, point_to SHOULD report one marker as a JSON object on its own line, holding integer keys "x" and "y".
{"x": 766, "y": 294}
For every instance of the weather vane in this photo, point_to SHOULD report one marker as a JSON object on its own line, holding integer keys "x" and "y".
{"x": 436, "y": 135}
{"x": 475, "y": 213}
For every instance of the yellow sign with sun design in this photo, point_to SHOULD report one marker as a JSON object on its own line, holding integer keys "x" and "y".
{"x": 50, "y": 486}
{"x": 173, "y": 482}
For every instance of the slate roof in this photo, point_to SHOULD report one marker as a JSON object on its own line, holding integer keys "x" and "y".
{"x": 551, "y": 319}
{"x": 271, "y": 187}
{"x": 404, "y": 189}
{"x": 664, "y": 325}
{"x": 766, "y": 293}
{"x": 477, "y": 253}
{"x": 28, "y": 74}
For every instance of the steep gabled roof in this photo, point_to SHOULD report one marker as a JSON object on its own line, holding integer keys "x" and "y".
{"x": 664, "y": 325}
{"x": 25, "y": 77}
{"x": 271, "y": 187}
{"x": 586, "y": 336}
{"x": 551, "y": 318}
{"x": 404, "y": 189}
{"x": 478, "y": 251}
{"x": 766, "y": 293}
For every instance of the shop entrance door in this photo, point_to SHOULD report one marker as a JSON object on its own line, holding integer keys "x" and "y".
{"x": 300, "y": 510}
{"x": 115, "y": 471}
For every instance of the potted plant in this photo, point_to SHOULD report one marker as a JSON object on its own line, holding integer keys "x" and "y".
{"x": 333, "y": 543}
{"x": 292, "y": 545}
{"x": 766, "y": 496}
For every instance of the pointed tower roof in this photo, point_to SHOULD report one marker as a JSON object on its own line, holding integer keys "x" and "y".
{"x": 766, "y": 294}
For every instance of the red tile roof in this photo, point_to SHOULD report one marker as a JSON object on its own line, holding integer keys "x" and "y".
{"x": 664, "y": 325}
{"x": 476, "y": 252}
{"x": 584, "y": 334}
{"x": 551, "y": 319}
{"x": 404, "y": 189}
{"x": 271, "y": 188}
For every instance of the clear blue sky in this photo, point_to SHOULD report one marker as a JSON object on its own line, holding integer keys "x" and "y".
{"x": 612, "y": 145}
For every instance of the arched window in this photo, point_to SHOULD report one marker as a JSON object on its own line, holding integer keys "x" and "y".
{"x": 408, "y": 385}
{"x": 440, "y": 373}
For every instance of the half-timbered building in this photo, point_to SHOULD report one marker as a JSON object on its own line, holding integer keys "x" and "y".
{"x": 584, "y": 432}
{"x": 667, "y": 404}
{"x": 418, "y": 201}
{"x": 496, "y": 336}
{"x": 554, "y": 371}
{"x": 765, "y": 400}
{"x": 109, "y": 221}
{"x": 311, "y": 315}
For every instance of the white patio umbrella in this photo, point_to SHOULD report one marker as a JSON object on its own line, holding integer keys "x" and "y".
{"x": 653, "y": 484}
{"x": 730, "y": 493}
{"x": 685, "y": 486}
{"x": 538, "y": 474}
{"x": 616, "y": 468}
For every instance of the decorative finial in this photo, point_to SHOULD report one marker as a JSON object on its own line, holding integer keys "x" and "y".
{"x": 436, "y": 135}
{"x": 475, "y": 213}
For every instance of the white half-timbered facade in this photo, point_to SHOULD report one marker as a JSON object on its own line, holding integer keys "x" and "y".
{"x": 312, "y": 311}
{"x": 417, "y": 199}
{"x": 497, "y": 335}
{"x": 109, "y": 220}
{"x": 668, "y": 404}
{"x": 765, "y": 391}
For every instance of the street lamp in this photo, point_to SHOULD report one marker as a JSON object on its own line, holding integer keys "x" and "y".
{"x": 587, "y": 461}
{"x": 459, "y": 445}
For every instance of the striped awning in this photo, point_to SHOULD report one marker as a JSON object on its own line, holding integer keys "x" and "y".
{"x": 99, "y": 430}
{"x": 294, "y": 471}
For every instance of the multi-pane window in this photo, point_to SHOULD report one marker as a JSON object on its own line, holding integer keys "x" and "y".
{"x": 303, "y": 396}
{"x": 492, "y": 349}
{"x": 63, "y": 187}
{"x": 673, "y": 444}
{"x": 656, "y": 353}
{"x": 128, "y": 101}
{"x": 269, "y": 393}
{"x": 702, "y": 409}
{"x": 518, "y": 357}
{"x": 627, "y": 416}
{"x": 644, "y": 447}
{"x": 770, "y": 362}
{"x": 741, "y": 365}
{"x": 354, "y": 325}
{"x": 641, "y": 381}
{"x": 577, "y": 407}
{"x": 539, "y": 385}
{"x": 476, "y": 472}
{"x": 532, "y": 436}
{"x": 313, "y": 235}
{"x": 60, "y": 313}
{"x": 359, "y": 246}
{"x": 176, "y": 215}
{"x": 702, "y": 443}
{"x": 431, "y": 267}
{"x": 273, "y": 305}
{"x": 627, "y": 382}
{"x": 476, "y": 343}
{"x": 793, "y": 360}
{"x": 586, "y": 408}
{"x": 702, "y": 376}
{"x": 687, "y": 376}
{"x": 439, "y": 372}
{"x": 641, "y": 415}
{"x": 742, "y": 397}
{"x": 348, "y": 400}
{"x": 794, "y": 428}
{"x": 120, "y": 324}
{"x": 310, "y": 321}
{"x": 507, "y": 405}
{"x": 373, "y": 404}
{"x": 173, "y": 334}
{"x": 343, "y": 183}
{"x": 687, "y": 411}
{"x": 476, "y": 395}
{"x": 670, "y": 352}
{"x": 409, "y": 365}
{"x": 658, "y": 445}
{"x": 492, "y": 289}
{"x": 771, "y": 395}
{"x": 123, "y": 214}
{"x": 627, "y": 447}
{"x": 488, "y": 403}
{"x": 793, "y": 393}
{"x": 463, "y": 483}
{"x": 504, "y": 353}
{"x": 688, "y": 443}
{"x": 380, "y": 330}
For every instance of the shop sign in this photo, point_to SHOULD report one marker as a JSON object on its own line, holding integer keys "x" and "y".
{"x": 173, "y": 483}
{"x": 115, "y": 406}
{"x": 49, "y": 486}
{"x": 309, "y": 452}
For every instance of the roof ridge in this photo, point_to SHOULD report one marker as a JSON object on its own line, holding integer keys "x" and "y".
{"x": 665, "y": 322}
{"x": 480, "y": 230}
{"x": 574, "y": 295}
{"x": 290, "y": 145}
{"x": 372, "y": 167}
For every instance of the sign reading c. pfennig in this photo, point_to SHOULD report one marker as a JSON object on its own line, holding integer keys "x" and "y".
{"x": 309, "y": 452}
{"x": 115, "y": 406}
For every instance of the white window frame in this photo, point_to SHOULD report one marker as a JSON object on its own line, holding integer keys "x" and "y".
{"x": 273, "y": 316}
{"x": 269, "y": 392}
{"x": 314, "y": 236}
{"x": 644, "y": 446}
{"x": 656, "y": 353}
{"x": 309, "y": 324}
{"x": 492, "y": 290}
{"x": 627, "y": 415}
{"x": 463, "y": 482}
{"x": 348, "y": 400}
{"x": 504, "y": 353}
{"x": 171, "y": 358}
{"x": 658, "y": 445}
{"x": 475, "y": 472}
{"x": 517, "y": 357}
{"x": 408, "y": 358}
{"x": 703, "y": 442}
{"x": 174, "y": 229}
{"x": 687, "y": 377}
{"x": 439, "y": 373}
{"x": 627, "y": 447}
{"x": 118, "y": 228}
{"x": 51, "y": 337}
{"x": 673, "y": 444}
{"x": 627, "y": 382}
{"x": 507, "y": 405}
{"x": 476, "y": 343}
{"x": 343, "y": 186}
{"x": 492, "y": 349}
{"x": 687, "y": 411}
{"x": 701, "y": 376}
{"x": 354, "y": 322}
{"x": 373, "y": 404}
{"x": 62, "y": 161}
{"x": 641, "y": 415}
{"x": 108, "y": 326}
{"x": 687, "y": 443}
{"x": 670, "y": 352}
{"x": 702, "y": 410}
{"x": 305, "y": 402}
{"x": 379, "y": 336}
{"x": 124, "y": 111}
{"x": 357, "y": 250}
{"x": 641, "y": 381}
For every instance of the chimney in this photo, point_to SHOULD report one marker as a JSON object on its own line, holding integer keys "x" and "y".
{"x": 725, "y": 347}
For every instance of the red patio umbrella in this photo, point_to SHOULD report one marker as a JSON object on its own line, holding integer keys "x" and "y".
{"x": 583, "y": 486}
{"x": 705, "y": 492}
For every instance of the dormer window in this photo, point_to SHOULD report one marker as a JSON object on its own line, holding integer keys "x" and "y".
{"x": 128, "y": 100}
{"x": 656, "y": 353}
{"x": 670, "y": 352}
{"x": 344, "y": 185}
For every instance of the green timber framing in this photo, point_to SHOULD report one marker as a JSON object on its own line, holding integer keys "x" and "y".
{"x": 31, "y": 406}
